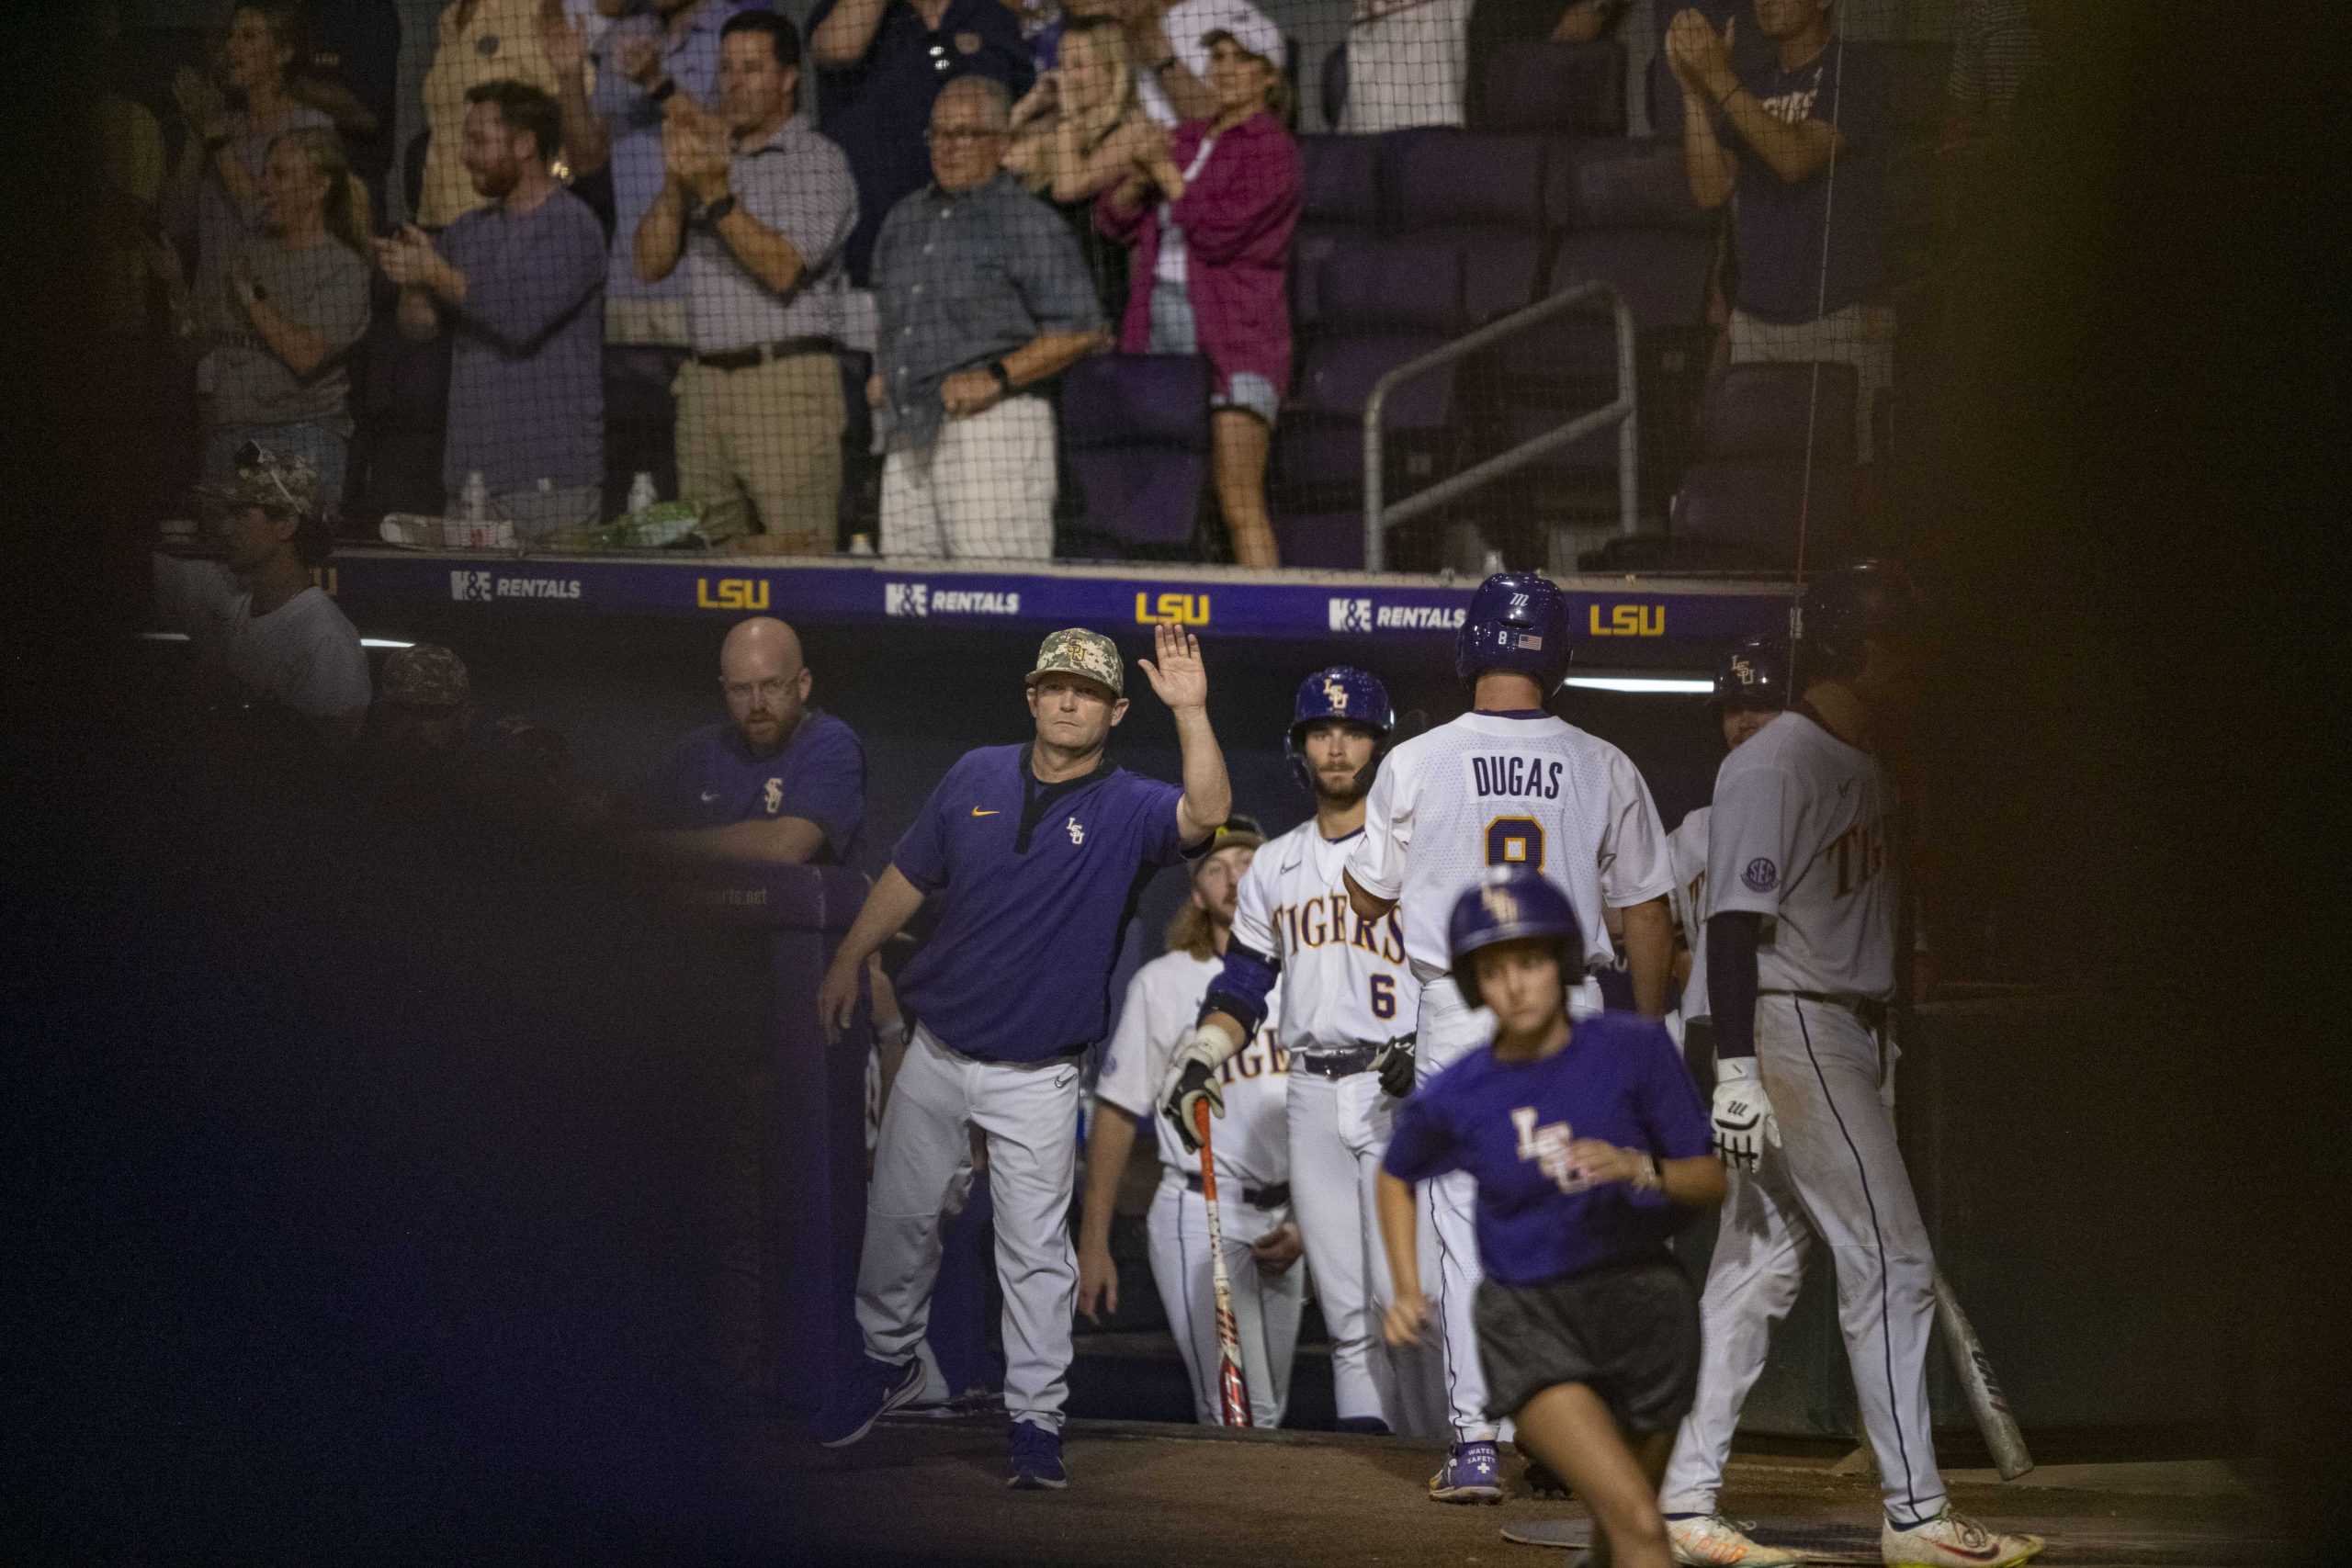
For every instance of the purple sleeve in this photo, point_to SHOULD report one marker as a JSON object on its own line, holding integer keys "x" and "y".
{"x": 515, "y": 307}
{"x": 1671, "y": 1115}
{"x": 1163, "y": 842}
{"x": 1422, "y": 1144}
{"x": 828, "y": 785}
{"x": 1244, "y": 204}
{"x": 921, "y": 852}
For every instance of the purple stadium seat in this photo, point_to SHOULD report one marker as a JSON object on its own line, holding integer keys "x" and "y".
{"x": 1742, "y": 503}
{"x": 1551, "y": 87}
{"x": 1339, "y": 203}
{"x": 1767, "y": 411}
{"x": 1485, "y": 191}
{"x": 1135, "y": 431}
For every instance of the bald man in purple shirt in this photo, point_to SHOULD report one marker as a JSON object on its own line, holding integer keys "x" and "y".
{"x": 1036, "y": 853}
{"x": 780, "y": 781}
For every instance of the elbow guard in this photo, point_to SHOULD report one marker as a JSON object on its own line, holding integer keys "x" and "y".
{"x": 1240, "y": 987}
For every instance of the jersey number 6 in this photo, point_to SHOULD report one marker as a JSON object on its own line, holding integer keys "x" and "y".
{"x": 1384, "y": 996}
{"x": 1515, "y": 840}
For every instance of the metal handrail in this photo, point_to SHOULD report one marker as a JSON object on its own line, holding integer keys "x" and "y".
{"x": 1620, "y": 412}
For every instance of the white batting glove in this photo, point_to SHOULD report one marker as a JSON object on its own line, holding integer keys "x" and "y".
{"x": 1191, "y": 1078}
{"x": 1741, "y": 1114}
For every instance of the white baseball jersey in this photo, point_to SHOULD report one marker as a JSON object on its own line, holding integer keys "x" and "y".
{"x": 1252, "y": 1139}
{"x": 1686, "y": 851}
{"x": 1344, "y": 982}
{"x": 1800, "y": 833}
{"x": 1489, "y": 790}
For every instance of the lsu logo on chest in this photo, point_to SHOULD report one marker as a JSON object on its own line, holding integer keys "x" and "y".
{"x": 1546, "y": 1144}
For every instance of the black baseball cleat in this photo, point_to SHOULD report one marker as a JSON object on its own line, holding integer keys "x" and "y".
{"x": 865, "y": 1393}
{"x": 1036, "y": 1459}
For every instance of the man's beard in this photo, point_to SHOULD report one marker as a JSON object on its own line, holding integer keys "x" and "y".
{"x": 1356, "y": 788}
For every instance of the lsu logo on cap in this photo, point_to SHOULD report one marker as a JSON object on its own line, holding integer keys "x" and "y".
{"x": 1335, "y": 693}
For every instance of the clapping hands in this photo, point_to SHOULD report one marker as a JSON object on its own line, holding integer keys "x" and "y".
{"x": 199, "y": 99}
{"x": 695, "y": 152}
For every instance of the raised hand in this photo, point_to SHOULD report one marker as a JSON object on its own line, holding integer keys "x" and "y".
{"x": 1179, "y": 678}
{"x": 199, "y": 100}
{"x": 563, "y": 40}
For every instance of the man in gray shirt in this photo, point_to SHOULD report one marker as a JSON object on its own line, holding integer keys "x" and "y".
{"x": 982, "y": 298}
{"x": 760, "y": 231}
{"x": 522, "y": 281}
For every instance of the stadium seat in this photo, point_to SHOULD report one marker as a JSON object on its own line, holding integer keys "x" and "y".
{"x": 1387, "y": 302}
{"x": 1555, "y": 87}
{"x": 1745, "y": 503}
{"x": 1485, "y": 191}
{"x": 1135, "y": 431}
{"x": 1626, "y": 220}
{"x": 1340, "y": 202}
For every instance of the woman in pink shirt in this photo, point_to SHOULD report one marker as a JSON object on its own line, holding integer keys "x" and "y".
{"x": 1211, "y": 224}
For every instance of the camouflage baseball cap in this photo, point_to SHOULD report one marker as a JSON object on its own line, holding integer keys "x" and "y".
{"x": 267, "y": 478}
{"x": 1077, "y": 651}
{"x": 425, "y": 676}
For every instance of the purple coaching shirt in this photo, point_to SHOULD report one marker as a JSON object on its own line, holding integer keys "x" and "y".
{"x": 1037, "y": 884}
{"x": 713, "y": 780}
{"x": 1509, "y": 1125}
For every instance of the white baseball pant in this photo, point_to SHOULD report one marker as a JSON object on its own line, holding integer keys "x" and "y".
{"x": 1029, "y": 1113}
{"x": 1837, "y": 1175}
{"x": 1451, "y": 1029}
{"x": 1266, "y": 1307}
{"x": 1339, "y": 1129}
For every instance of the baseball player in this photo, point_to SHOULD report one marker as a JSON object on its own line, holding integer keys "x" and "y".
{"x": 1581, "y": 1141}
{"x": 1751, "y": 687}
{"x": 1036, "y": 853}
{"x": 1506, "y": 784}
{"x": 1261, "y": 1243}
{"x": 1347, "y": 999}
{"x": 1801, "y": 901}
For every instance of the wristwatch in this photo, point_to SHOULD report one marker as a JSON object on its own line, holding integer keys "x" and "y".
{"x": 1003, "y": 376}
{"x": 1163, "y": 65}
{"x": 660, "y": 92}
{"x": 709, "y": 217}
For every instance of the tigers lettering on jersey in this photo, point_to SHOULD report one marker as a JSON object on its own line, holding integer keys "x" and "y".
{"x": 1321, "y": 922}
{"x": 1857, "y": 853}
{"x": 1265, "y": 1054}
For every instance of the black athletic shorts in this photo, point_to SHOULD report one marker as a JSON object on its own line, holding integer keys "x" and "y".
{"x": 1628, "y": 1331}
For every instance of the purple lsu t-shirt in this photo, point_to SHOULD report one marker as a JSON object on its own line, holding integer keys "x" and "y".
{"x": 713, "y": 780}
{"x": 1509, "y": 1125}
{"x": 1037, "y": 884}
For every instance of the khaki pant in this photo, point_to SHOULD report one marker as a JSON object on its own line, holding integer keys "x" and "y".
{"x": 760, "y": 450}
{"x": 983, "y": 487}
{"x": 1859, "y": 335}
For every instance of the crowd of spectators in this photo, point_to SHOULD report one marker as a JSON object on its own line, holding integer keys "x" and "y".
{"x": 670, "y": 236}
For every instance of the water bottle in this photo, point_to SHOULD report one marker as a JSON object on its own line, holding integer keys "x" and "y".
{"x": 473, "y": 498}
{"x": 640, "y": 492}
{"x": 861, "y": 544}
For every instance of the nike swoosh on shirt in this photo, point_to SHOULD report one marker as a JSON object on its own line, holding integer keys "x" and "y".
{"x": 708, "y": 795}
{"x": 977, "y": 812}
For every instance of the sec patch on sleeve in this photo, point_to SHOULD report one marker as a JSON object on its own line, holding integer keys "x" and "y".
{"x": 1761, "y": 874}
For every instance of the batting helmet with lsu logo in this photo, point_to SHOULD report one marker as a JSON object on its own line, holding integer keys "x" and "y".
{"x": 1842, "y": 609}
{"x": 1345, "y": 693}
{"x": 1517, "y": 620}
{"x": 1512, "y": 904}
{"x": 1753, "y": 675}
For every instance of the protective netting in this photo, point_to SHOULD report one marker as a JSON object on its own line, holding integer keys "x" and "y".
{"x": 1016, "y": 284}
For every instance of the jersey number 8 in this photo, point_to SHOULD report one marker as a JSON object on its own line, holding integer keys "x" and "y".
{"x": 1515, "y": 840}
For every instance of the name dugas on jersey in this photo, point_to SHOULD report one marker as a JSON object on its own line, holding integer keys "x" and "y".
{"x": 1800, "y": 833}
{"x": 1345, "y": 981}
{"x": 1486, "y": 791}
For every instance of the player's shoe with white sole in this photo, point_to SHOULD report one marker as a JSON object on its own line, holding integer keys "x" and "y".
{"x": 1716, "y": 1540}
{"x": 867, "y": 1392}
{"x": 1472, "y": 1473}
{"x": 1953, "y": 1540}
{"x": 1036, "y": 1459}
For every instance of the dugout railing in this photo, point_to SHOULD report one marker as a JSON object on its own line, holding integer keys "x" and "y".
{"x": 1380, "y": 514}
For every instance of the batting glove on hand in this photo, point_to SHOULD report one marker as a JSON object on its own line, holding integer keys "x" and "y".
{"x": 1393, "y": 1062}
{"x": 1191, "y": 1078}
{"x": 1742, "y": 1116}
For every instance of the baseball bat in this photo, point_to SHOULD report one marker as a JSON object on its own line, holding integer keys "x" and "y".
{"x": 1233, "y": 1395}
{"x": 1974, "y": 1370}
